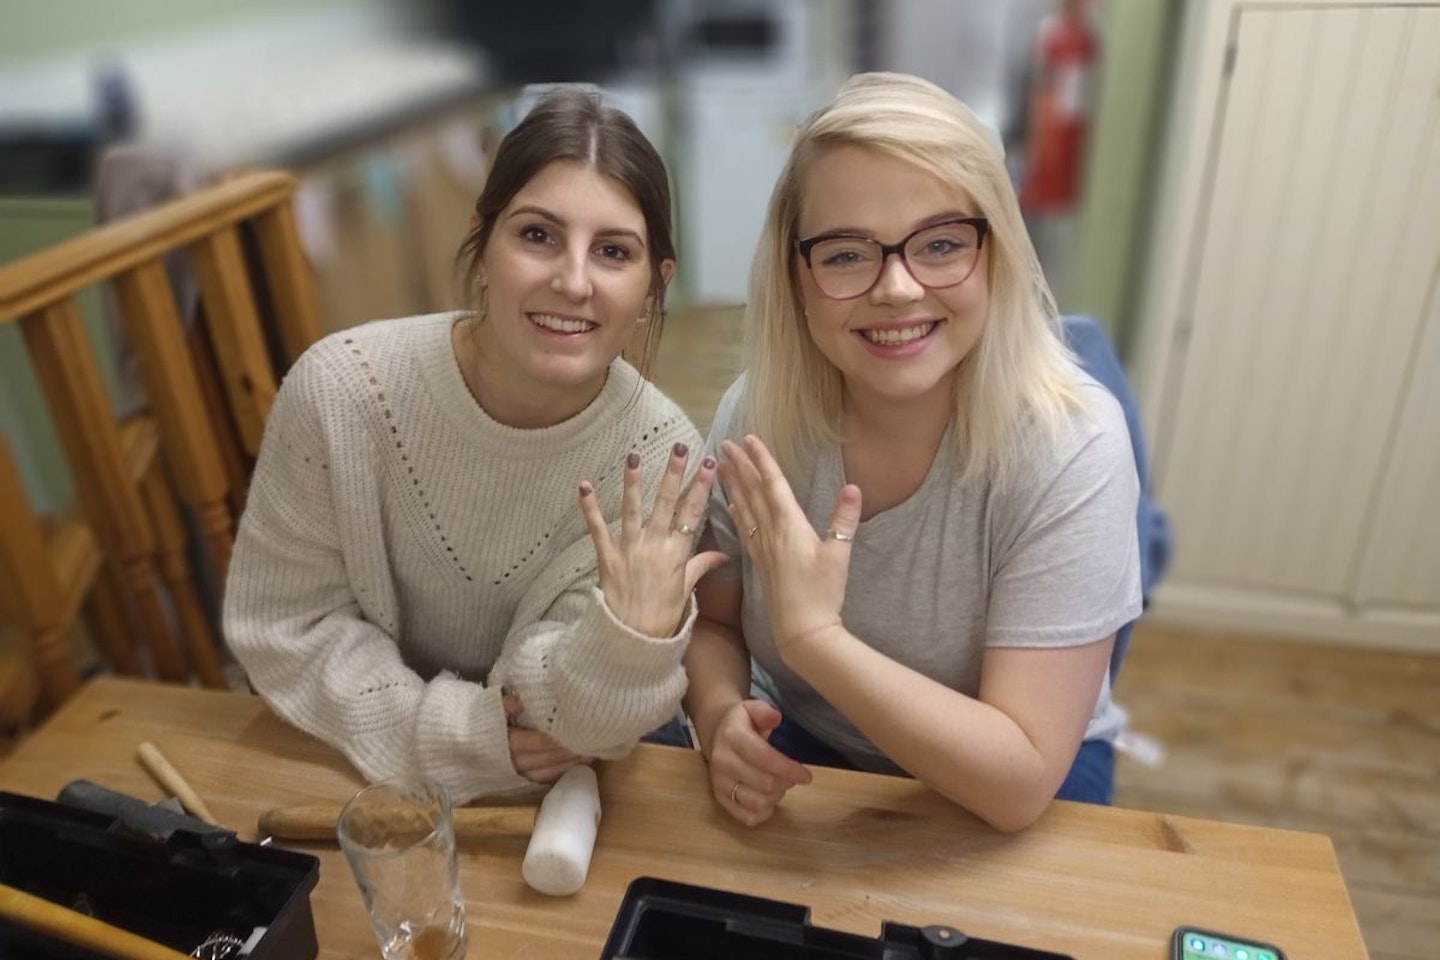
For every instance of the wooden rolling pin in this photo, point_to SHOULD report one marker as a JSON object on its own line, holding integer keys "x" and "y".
{"x": 77, "y": 929}
{"x": 318, "y": 822}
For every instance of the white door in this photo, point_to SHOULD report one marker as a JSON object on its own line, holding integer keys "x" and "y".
{"x": 1282, "y": 437}
{"x": 1399, "y": 578}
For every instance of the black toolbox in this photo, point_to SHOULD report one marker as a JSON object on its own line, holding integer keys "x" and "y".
{"x": 178, "y": 892}
{"x": 666, "y": 920}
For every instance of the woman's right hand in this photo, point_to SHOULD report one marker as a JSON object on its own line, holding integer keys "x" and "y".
{"x": 747, "y": 775}
{"x": 535, "y": 755}
{"x": 538, "y": 757}
{"x": 802, "y": 574}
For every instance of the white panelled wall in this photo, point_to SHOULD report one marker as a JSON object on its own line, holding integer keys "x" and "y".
{"x": 1289, "y": 358}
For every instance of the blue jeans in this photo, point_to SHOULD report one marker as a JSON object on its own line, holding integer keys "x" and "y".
{"x": 672, "y": 734}
{"x": 1091, "y": 778}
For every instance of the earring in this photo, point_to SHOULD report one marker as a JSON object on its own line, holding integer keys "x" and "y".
{"x": 482, "y": 301}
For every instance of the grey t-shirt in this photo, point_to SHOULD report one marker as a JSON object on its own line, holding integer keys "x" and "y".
{"x": 1052, "y": 562}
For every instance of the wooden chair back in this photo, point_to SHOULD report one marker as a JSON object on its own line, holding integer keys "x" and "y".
{"x": 208, "y": 394}
{"x": 50, "y": 572}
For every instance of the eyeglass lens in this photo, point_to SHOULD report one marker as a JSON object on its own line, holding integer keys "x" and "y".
{"x": 939, "y": 256}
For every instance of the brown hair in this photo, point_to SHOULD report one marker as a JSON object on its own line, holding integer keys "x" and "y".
{"x": 574, "y": 125}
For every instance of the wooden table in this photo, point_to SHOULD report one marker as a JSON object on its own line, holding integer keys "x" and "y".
{"x": 1094, "y": 882}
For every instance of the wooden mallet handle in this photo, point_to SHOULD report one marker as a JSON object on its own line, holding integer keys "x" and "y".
{"x": 318, "y": 822}
{"x": 68, "y": 926}
{"x": 171, "y": 780}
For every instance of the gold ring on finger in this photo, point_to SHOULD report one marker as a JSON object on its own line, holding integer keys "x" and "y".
{"x": 754, "y": 529}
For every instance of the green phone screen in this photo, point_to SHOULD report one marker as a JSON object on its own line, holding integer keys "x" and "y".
{"x": 1200, "y": 945}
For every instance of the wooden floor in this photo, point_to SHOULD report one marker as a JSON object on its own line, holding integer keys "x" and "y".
{"x": 699, "y": 357}
{"x": 1280, "y": 733}
{"x": 1305, "y": 736}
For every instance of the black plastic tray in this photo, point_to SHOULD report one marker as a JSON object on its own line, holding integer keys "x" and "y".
{"x": 666, "y": 920}
{"x": 178, "y": 892}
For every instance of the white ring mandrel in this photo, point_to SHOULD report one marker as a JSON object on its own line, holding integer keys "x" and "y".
{"x": 558, "y": 857}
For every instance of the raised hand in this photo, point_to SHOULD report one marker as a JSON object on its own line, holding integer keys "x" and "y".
{"x": 802, "y": 575}
{"x": 648, "y": 572}
{"x": 747, "y": 775}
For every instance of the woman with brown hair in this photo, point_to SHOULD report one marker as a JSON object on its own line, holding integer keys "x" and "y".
{"x": 413, "y": 582}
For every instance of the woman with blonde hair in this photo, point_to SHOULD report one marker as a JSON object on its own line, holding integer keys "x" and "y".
{"x": 931, "y": 516}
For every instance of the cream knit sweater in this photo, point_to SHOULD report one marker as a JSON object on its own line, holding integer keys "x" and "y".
{"x": 403, "y": 556}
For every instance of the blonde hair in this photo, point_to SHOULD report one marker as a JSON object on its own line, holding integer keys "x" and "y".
{"x": 1019, "y": 370}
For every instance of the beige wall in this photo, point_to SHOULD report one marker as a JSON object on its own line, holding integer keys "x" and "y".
{"x": 1108, "y": 246}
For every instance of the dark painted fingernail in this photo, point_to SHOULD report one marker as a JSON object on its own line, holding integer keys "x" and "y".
{"x": 585, "y": 488}
{"x": 708, "y": 463}
{"x": 632, "y": 460}
{"x": 681, "y": 450}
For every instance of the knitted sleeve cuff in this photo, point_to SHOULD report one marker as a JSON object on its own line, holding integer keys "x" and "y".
{"x": 596, "y": 685}
{"x": 461, "y": 740}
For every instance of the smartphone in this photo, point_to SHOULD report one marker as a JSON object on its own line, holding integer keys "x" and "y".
{"x": 1192, "y": 943}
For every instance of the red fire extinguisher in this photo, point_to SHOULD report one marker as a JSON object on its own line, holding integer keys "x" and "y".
{"x": 1066, "y": 51}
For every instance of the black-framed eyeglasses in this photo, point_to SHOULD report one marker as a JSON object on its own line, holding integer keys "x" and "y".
{"x": 942, "y": 255}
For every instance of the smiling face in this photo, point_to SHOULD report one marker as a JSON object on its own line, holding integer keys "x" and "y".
{"x": 567, "y": 274}
{"x": 899, "y": 342}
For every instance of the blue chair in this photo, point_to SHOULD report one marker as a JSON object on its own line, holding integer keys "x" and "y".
{"x": 1091, "y": 345}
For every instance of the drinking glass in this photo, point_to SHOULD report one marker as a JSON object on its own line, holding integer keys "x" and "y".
{"x": 399, "y": 839}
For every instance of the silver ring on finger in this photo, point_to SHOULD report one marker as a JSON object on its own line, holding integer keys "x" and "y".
{"x": 754, "y": 529}
{"x": 735, "y": 788}
{"x": 686, "y": 530}
{"x": 833, "y": 534}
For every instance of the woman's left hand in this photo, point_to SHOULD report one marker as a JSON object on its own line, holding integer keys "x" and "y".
{"x": 648, "y": 572}
{"x": 802, "y": 575}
